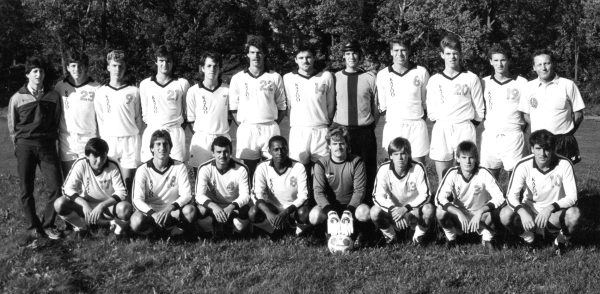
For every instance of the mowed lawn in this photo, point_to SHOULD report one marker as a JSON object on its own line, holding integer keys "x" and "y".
{"x": 102, "y": 264}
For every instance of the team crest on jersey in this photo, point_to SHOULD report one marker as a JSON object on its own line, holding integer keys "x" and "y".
{"x": 477, "y": 190}
{"x": 514, "y": 94}
{"x": 417, "y": 82}
{"x": 150, "y": 187}
{"x": 173, "y": 182}
{"x": 104, "y": 184}
{"x": 412, "y": 186}
{"x": 330, "y": 176}
{"x": 533, "y": 102}
{"x": 128, "y": 99}
{"x": 293, "y": 182}
{"x": 230, "y": 187}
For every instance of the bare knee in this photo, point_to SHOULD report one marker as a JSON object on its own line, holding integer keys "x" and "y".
{"x": 428, "y": 211}
{"x": 506, "y": 215}
{"x": 303, "y": 214}
{"x": 572, "y": 216}
{"x": 61, "y": 205}
{"x": 137, "y": 221}
{"x": 316, "y": 216}
{"x": 362, "y": 213}
{"x": 376, "y": 213}
{"x": 190, "y": 213}
{"x": 124, "y": 210}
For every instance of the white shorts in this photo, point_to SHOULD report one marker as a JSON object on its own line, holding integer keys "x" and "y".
{"x": 72, "y": 145}
{"x": 125, "y": 150}
{"x": 415, "y": 131}
{"x": 178, "y": 151}
{"x": 446, "y": 136}
{"x": 200, "y": 148}
{"x": 501, "y": 149}
{"x": 308, "y": 143}
{"x": 253, "y": 140}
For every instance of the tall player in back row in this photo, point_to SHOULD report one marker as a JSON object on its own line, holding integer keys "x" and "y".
{"x": 502, "y": 141}
{"x": 207, "y": 109}
{"x": 555, "y": 104}
{"x": 455, "y": 103}
{"x": 402, "y": 90}
{"x": 311, "y": 104}
{"x": 163, "y": 104}
{"x": 78, "y": 122}
{"x": 118, "y": 113}
{"x": 257, "y": 97}
{"x": 356, "y": 109}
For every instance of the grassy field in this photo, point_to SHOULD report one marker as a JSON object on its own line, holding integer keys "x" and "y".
{"x": 258, "y": 265}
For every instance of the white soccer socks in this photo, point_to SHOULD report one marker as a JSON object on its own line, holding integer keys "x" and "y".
{"x": 389, "y": 233}
{"x": 240, "y": 224}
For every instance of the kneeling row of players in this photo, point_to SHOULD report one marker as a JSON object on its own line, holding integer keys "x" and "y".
{"x": 541, "y": 195}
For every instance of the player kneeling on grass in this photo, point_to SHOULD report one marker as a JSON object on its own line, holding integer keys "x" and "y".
{"x": 94, "y": 192}
{"x": 401, "y": 194}
{"x": 339, "y": 188}
{"x": 162, "y": 192}
{"x": 475, "y": 195}
{"x": 547, "y": 184}
{"x": 280, "y": 190}
{"x": 222, "y": 191}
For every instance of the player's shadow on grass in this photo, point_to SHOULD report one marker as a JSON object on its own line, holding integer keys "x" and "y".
{"x": 589, "y": 226}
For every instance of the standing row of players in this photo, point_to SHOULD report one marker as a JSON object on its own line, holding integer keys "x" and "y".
{"x": 257, "y": 98}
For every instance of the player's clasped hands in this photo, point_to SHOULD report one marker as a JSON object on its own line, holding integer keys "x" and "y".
{"x": 92, "y": 215}
{"x": 163, "y": 215}
{"x": 542, "y": 218}
{"x": 398, "y": 217}
{"x": 474, "y": 223}
{"x": 464, "y": 221}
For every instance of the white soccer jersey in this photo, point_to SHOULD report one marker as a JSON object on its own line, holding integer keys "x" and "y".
{"x": 208, "y": 109}
{"x": 256, "y": 99}
{"x": 118, "y": 111}
{"x": 502, "y": 103}
{"x": 163, "y": 105}
{"x": 79, "y": 116}
{"x": 551, "y": 105}
{"x": 281, "y": 190}
{"x": 402, "y": 96}
{"x": 482, "y": 189}
{"x": 82, "y": 181}
{"x": 456, "y": 99}
{"x": 410, "y": 191}
{"x": 153, "y": 189}
{"x": 541, "y": 189}
{"x": 231, "y": 186}
{"x": 310, "y": 99}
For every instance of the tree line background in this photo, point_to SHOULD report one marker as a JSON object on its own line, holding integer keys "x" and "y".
{"x": 569, "y": 28}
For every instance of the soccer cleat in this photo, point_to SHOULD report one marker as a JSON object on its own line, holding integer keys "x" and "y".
{"x": 118, "y": 226}
{"x": 560, "y": 248}
{"x": 360, "y": 241}
{"x": 175, "y": 231}
{"x": 489, "y": 245}
{"x": 451, "y": 244}
{"x": 53, "y": 233}
{"x": 29, "y": 239}
{"x": 418, "y": 241}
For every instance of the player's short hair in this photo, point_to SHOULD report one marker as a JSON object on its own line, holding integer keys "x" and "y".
{"x": 539, "y": 52}
{"x": 306, "y": 48}
{"x": 116, "y": 56}
{"x": 221, "y": 141}
{"x": 399, "y": 144}
{"x": 256, "y": 41}
{"x": 452, "y": 42}
{"x": 161, "y": 134}
{"x": 338, "y": 133}
{"x": 164, "y": 52}
{"x": 77, "y": 57}
{"x": 499, "y": 49}
{"x": 280, "y": 139}
{"x": 468, "y": 147}
{"x": 216, "y": 57}
{"x": 543, "y": 138}
{"x": 96, "y": 147}
{"x": 34, "y": 62}
{"x": 402, "y": 42}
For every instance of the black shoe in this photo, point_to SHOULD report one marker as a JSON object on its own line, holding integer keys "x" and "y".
{"x": 561, "y": 248}
{"x": 29, "y": 239}
{"x": 489, "y": 245}
{"x": 451, "y": 244}
{"x": 419, "y": 241}
{"x": 360, "y": 241}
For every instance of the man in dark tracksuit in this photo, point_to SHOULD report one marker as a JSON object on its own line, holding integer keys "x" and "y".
{"x": 33, "y": 119}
